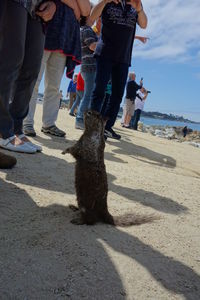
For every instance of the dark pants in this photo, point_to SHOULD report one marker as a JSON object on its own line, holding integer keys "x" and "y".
{"x": 21, "y": 49}
{"x": 111, "y": 121}
{"x": 135, "y": 119}
{"x": 118, "y": 73}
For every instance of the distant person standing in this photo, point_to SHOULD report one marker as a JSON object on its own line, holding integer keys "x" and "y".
{"x": 71, "y": 91}
{"x": 185, "y": 131}
{"x": 129, "y": 105}
{"x": 139, "y": 106}
{"x": 79, "y": 94}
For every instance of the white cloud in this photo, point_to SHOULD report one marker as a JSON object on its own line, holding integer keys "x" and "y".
{"x": 173, "y": 29}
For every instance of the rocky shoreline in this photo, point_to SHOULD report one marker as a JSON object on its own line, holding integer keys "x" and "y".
{"x": 172, "y": 133}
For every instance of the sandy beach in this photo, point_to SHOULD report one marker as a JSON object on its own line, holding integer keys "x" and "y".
{"x": 44, "y": 256}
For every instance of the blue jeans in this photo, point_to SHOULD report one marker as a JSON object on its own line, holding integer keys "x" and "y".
{"x": 118, "y": 73}
{"x": 79, "y": 96}
{"x": 21, "y": 49}
{"x": 89, "y": 79}
{"x": 135, "y": 119}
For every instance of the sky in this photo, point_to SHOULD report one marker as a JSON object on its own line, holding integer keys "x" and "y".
{"x": 170, "y": 61}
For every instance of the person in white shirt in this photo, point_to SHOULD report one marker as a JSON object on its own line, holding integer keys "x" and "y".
{"x": 139, "y": 106}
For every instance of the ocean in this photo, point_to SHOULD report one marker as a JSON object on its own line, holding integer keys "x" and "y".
{"x": 158, "y": 122}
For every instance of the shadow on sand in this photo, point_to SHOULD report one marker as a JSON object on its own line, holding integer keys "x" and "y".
{"x": 142, "y": 154}
{"x": 44, "y": 256}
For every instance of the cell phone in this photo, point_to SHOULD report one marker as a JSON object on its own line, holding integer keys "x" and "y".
{"x": 141, "y": 78}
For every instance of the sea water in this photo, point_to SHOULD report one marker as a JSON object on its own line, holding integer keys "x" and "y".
{"x": 159, "y": 122}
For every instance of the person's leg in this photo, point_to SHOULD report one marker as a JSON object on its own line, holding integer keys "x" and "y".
{"x": 132, "y": 120}
{"x": 13, "y": 19}
{"x": 53, "y": 74}
{"x": 89, "y": 79}
{"x": 136, "y": 118}
{"x": 28, "y": 122}
{"x": 105, "y": 103}
{"x": 103, "y": 74}
{"x": 26, "y": 80}
{"x": 130, "y": 109}
{"x": 71, "y": 100}
{"x": 119, "y": 77}
{"x": 125, "y": 112}
{"x": 79, "y": 96}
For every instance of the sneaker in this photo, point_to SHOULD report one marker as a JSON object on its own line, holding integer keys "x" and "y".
{"x": 79, "y": 126}
{"x": 72, "y": 114}
{"x": 127, "y": 126}
{"x": 18, "y": 146}
{"x": 29, "y": 130}
{"x": 7, "y": 161}
{"x": 53, "y": 130}
{"x": 24, "y": 139}
{"x": 112, "y": 134}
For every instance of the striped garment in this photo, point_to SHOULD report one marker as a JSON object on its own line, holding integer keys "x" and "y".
{"x": 88, "y": 36}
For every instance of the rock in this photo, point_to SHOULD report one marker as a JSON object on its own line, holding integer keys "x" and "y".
{"x": 159, "y": 133}
{"x": 193, "y": 144}
{"x": 172, "y": 133}
{"x": 140, "y": 126}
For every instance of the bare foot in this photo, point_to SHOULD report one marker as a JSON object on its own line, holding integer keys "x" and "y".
{"x": 24, "y": 139}
{"x": 16, "y": 141}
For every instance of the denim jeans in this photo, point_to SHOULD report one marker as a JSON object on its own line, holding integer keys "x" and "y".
{"x": 118, "y": 73}
{"x": 135, "y": 119}
{"x": 21, "y": 48}
{"x": 79, "y": 96}
{"x": 89, "y": 79}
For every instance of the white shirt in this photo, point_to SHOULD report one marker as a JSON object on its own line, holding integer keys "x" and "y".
{"x": 139, "y": 104}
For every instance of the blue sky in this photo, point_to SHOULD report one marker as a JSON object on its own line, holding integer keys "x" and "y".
{"x": 170, "y": 61}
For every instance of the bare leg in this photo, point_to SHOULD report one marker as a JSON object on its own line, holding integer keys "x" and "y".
{"x": 127, "y": 120}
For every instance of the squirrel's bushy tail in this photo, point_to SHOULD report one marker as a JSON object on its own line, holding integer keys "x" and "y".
{"x": 127, "y": 220}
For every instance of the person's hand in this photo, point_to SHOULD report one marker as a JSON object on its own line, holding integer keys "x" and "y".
{"x": 109, "y": 1}
{"x": 46, "y": 10}
{"x": 142, "y": 39}
{"x": 137, "y": 4}
{"x": 77, "y": 13}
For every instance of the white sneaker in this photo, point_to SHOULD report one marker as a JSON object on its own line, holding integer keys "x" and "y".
{"x": 23, "y": 148}
{"x": 29, "y": 143}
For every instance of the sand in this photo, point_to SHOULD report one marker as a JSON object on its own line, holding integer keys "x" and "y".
{"x": 44, "y": 256}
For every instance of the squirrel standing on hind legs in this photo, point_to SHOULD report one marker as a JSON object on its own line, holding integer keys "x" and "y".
{"x": 91, "y": 178}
